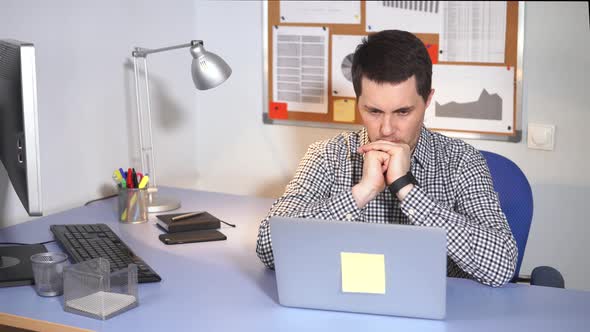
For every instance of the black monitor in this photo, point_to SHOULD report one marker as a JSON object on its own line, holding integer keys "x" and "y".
{"x": 19, "y": 130}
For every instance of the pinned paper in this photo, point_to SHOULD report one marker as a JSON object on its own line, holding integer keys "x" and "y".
{"x": 344, "y": 110}
{"x": 343, "y": 47}
{"x": 483, "y": 21}
{"x": 362, "y": 273}
{"x": 334, "y": 12}
{"x": 278, "y": 111}
{"x": 415, "y": 16}
{"x": 300, "y": 68}
{"x": 433, "y": 52}
{"x": 472, "y": 98}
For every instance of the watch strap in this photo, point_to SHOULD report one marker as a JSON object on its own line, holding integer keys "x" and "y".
{"x": 401, "y": 182}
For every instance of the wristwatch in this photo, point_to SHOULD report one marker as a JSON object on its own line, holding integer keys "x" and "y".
{"x": 403, "y": 181}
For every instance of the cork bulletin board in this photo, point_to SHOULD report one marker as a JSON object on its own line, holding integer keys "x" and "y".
{"x": 476, "y": 50}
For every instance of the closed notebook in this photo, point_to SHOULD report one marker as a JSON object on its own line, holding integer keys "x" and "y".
{"x": 198, "y": 222}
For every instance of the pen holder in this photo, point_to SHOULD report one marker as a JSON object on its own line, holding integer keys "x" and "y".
{"x": 133, "y": 207}
{"x": 90, "y": 289}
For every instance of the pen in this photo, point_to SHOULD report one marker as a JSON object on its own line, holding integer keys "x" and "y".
{"x": 117, "y": 176}
{"x": 134, "y": 178}
{"x": 186, "y": 216}
{"x": 144, "y": 181}
{"x": 129, "y": 179}
{"x": 123, "y": 174}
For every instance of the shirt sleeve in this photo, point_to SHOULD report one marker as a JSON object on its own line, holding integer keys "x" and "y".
{"x": 308, "y": 195}
{"x": 479, "y": 239}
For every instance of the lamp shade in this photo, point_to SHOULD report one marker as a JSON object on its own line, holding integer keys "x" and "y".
{"x": 208, "y": 69}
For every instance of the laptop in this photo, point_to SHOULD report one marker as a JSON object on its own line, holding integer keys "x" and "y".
{"x": 370, "y": 268}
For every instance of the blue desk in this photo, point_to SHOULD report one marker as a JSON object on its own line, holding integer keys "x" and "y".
{"x": 222, "y": 286}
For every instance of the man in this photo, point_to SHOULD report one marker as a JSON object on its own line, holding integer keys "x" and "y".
{"x": 396, "y": 171}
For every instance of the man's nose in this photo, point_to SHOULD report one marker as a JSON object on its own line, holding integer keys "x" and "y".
{"x": 387, "y": 126}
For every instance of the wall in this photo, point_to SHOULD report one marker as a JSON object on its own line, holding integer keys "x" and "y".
{"x": 215, "y": 140}
{"x": 86, "y": 94}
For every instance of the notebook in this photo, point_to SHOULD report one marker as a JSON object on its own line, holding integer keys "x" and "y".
{"x": 201, "y": 221}
{"x": 360, "y": 267}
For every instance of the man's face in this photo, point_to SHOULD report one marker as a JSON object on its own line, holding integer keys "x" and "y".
{"x": 392, "y": 112}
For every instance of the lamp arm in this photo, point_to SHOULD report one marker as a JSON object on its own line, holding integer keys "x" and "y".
{"x": 144, "y": 116}
{"x": 145, "y": 136}
{"x": 140, "y": 52}
{"x": 157, "y": 203}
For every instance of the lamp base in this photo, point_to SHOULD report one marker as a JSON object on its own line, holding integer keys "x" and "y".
{"x": 159, "y": 203}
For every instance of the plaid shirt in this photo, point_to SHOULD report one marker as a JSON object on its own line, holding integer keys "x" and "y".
{"x": 455, "y": 192}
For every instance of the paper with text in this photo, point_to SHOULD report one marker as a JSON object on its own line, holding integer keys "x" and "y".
{"x": 300, "y": 68}
{"x": 473, "y": 31}
{"x": 412, "y": 16}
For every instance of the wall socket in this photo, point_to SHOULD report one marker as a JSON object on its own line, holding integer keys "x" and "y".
{"x": 541, "y": 136}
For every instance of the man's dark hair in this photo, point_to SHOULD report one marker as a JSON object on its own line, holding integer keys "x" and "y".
{"x": 392, "y": 56}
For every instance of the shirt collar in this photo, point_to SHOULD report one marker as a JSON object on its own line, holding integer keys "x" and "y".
{"x": 364, "y": 137}
{"x": 423, "y": 152}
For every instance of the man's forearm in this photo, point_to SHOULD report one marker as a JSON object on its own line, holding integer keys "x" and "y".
{"x": 362, "y": 195}
{"x": 338, "y": 207}
{"x": 483, "y": 248}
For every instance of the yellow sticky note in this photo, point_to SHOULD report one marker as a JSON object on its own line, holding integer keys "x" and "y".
{"x": 344, "y": 110}
{"x": 362, "y": 273}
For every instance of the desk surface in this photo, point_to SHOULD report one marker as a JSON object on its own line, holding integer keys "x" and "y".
{"x": 222, "y": 286}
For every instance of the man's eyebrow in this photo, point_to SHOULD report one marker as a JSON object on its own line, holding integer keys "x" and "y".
{"x": 373, "y": 109}
{"x": 404, "y": 109}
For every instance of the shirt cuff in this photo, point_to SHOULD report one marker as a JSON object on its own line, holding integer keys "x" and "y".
{"x": 344, "y": 207}
{"x": 417, "y": 206}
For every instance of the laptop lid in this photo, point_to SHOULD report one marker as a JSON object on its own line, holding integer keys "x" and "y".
{"x": 360, "y": 267}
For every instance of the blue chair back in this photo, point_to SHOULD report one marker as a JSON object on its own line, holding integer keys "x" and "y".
{"x": 516, "y": 198}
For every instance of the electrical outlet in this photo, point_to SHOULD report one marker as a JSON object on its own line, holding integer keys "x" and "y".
{"x": 541, "y": 136}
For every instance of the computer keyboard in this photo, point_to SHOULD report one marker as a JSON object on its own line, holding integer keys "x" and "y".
{"x": 88, "y": 241}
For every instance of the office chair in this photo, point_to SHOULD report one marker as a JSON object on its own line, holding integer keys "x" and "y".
{"x": 516, "y": 201}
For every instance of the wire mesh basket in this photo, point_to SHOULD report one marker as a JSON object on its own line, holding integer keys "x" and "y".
{"x": 90, "y": 289}
{"x": 48, "y": 272}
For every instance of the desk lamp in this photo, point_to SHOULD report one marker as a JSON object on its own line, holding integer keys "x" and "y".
{"x": 208, "y": 71}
